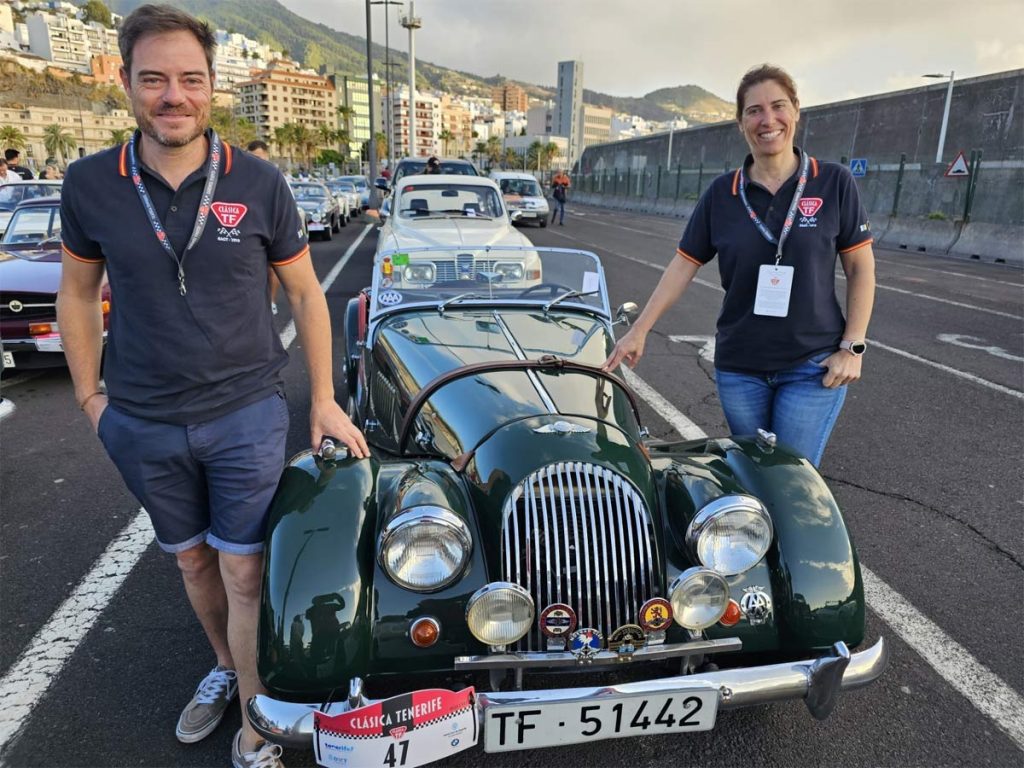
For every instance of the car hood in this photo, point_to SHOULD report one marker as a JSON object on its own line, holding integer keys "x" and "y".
{"x": 415, "y": 348}
{"x": 460, "y": 232}
{"x": 30, "y": 271}
{"x": 313, "y": 205}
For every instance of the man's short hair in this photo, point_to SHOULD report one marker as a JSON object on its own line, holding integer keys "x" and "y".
{"x": 160, "y": 19}
{"x": 11, "y": 154}
{"x": 252, "y": 146}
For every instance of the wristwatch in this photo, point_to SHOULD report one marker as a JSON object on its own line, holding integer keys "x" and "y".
{"x": 856, "y": 348}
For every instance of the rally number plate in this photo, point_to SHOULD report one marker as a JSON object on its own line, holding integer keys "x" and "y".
{"x": 401, "y": 732}
{"x": 529, "y": 726}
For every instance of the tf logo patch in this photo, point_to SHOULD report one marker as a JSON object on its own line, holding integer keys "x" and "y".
{"x": 809, "y": 205}
{"x": 229, "y": 215}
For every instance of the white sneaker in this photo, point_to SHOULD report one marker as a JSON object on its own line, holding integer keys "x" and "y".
{"x": 208, "y": 705}
{"x": 267, "y": 755}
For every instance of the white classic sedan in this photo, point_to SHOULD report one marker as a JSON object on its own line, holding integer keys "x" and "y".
{"x": 444, "y": 228}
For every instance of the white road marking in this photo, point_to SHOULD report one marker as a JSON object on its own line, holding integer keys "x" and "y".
{"x": 707, "y": 350}
{"x": 954, "y": 663}
{"x": 6, "y": 408}
{"x": 45, "y": 656}
{"x": 961, "y": 374}
{"x": 941, "y": 271}
{"x": 963, "y": 340}
{"x": 22, "y": 378}
{"x": 952, "y": 303}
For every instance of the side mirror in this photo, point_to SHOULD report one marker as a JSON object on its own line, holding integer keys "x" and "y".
{"x": 385, "y": 210}
{"x": 626, "y": 313}
{"x": 515, "y": 215}
{"x": 381, "y": 183}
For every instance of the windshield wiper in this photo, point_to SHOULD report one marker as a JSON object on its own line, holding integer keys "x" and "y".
{"x": 567, "y": 295}
{"x": 454, "y": 299}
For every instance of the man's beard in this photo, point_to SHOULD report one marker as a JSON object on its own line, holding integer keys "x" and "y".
{"x": 148, "y": 127}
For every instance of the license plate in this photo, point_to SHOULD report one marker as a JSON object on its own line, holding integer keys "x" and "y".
{"x": 8, "y": 359}
{"x": 315, "y": 226}
{"x": 401, "y": 732}
{"x": 526, "y": 726}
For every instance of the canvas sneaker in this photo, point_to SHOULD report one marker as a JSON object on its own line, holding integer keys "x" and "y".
{"x": 267, "y": 755}
{"x": 204, "y": 712}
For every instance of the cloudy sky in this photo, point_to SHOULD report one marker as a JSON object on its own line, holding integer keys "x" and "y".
{"x": 835, "y": 49}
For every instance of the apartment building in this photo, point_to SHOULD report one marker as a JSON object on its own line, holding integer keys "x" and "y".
{"x": 91, "y": 129}
{"x": 59, "y": 39}
{"x": 353, "y": 93}
{"x": 510, "y": 97}
{"x": 428, "y": 124}
{"x": 283, "y": 93}
{"x": 595, "y": 125}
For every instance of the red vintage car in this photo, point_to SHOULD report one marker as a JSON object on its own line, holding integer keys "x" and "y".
{"x": 30, "y": 264}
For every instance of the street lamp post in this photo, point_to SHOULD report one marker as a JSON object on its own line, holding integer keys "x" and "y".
{"x": 945, "y": 114}
{"x": 371, "y": 147}
{"x": 412, "y": 23}
{"x": 389, "y": 109}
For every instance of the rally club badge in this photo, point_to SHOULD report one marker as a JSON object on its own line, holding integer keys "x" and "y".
{"x": 229, "y": 214}
{"x": 655, "y": 615}
{"x": 557, "y": 620}
{"x": 585, "y": 642}
{"x": 626, "y": 639}
{"x": 809, "y": 205}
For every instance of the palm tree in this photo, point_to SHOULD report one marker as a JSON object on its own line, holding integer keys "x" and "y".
{"x": 59, "y": 142}
{"x": 305, "y": 142}
{"x": 550, "y": 151}
{"x": 494, "y": 150}
{"x": 381, "y": 142}
{"x": 445, "y": 136}
{"x": 479, "y": 150}
{"x": 535, "y": 154}
{"x": 118, "y": 136}
{"x": 12, "y": 138}
{"x": 283, "y": 139}
{"x": 511, "y": 159}
{"x": 325, "y": 135}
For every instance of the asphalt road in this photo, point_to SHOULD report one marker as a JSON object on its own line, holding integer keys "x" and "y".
{"x": 925, "y": 462}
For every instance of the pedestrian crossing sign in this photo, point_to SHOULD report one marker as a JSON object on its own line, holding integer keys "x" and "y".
{"x": 959, "y": 166}
{"x": 859, "y": 166}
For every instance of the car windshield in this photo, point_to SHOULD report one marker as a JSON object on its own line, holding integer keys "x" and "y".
{"x": 442, "y": 200}
{"x": 32, "y": 225}
{"x": 346, "y": 186}
{"x": 309, "y": 192}
{"x": 451, "y": 167}
{"x": 521, "y": 187}
{"x": 509, "y": 275}
{"x": 12, "y": 194}
{"x": 359, "y": 181}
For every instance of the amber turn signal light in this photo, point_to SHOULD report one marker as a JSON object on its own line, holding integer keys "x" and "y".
{"x": 424, "y": 632}
{"x": 41, "y": 329}
{"x": 732, "y": 614}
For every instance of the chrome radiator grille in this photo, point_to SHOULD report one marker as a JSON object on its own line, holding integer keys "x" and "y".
{"x": 579, "y": 534}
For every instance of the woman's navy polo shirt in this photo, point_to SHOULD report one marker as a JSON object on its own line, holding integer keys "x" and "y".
{"x": 173, "y": 358}
{"x": 830, "y": 220}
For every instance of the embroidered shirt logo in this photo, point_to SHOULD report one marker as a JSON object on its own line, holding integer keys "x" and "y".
{"x": 808, "y": 207}
{"x": 229, "y": 214}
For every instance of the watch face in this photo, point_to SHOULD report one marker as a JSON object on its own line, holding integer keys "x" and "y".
{"x": 858, "y": 347}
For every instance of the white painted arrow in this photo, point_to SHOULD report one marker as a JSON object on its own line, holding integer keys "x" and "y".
{"x": 707, "y": 350}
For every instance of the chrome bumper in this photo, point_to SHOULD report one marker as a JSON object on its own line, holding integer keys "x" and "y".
{"x": 818, "y": 682}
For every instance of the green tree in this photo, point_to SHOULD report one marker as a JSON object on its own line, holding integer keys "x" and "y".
{"x": 304, "y": 141}
{"x": 535, "y": 155}
{"x": 446, "y": 137}
{"x": 314, "y": 58}
{"x": 59, "y": 142}
{"x": 382, "y": 145}
{"x": 512, "y": 159}
{"x": 494, "y": 150}
{"x": 96, "y": 10}
{"x": 118, "y": 136}
{"x": 325, "y": 135}
{"x": 233, "y": 130}
{"x": 283, "y": 136}
{"x": 12, "y": 138}
{"x": 550, "y": 152}
{"x": 479, "y": 150}
{"x": 328, "y": 156}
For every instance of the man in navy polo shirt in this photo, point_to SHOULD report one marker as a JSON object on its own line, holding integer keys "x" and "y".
{"x": 194, "y": 415}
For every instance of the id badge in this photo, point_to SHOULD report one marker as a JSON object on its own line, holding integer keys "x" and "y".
{"x": 774, "y": 284}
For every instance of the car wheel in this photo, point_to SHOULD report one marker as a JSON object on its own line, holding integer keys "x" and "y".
{"x": 543, "y": 222}
{"x": 337, "y": 223}
{"x": 328, "y": 231}
{"x": 344, "y": 220}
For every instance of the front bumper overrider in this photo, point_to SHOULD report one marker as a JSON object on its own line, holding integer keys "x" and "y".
{"x": 817, "y": 681}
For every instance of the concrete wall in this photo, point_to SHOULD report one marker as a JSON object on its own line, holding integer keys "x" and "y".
{"x": 662, "y": 174}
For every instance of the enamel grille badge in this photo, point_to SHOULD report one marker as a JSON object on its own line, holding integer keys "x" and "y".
{"x": 557, "y": 620}
{"x": 625, "y": 640}
{"x": 655, "y": 615}
{"x": 584, "y": 643}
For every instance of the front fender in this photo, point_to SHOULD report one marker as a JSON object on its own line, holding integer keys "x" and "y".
{"x": 316, "y": 603}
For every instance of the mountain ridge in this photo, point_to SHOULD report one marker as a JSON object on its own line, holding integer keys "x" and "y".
{"x": 272, "y": 23}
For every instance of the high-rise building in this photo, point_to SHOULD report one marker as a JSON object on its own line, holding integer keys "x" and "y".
{"x": 568, "y": 105}
{"x": 428, "y": 124}
{"x": 355, "y": 97}
{"x": 60, "y": 39}
{"x": 282, "y": 93}
{"x": 595, "y": 126}
{"x": 510, "y": 97}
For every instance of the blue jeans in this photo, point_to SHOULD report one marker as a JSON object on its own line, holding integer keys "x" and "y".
{"x": 793, "y": 404}
{"x": 558, "y": 209}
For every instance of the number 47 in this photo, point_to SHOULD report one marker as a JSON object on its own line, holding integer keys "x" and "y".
{"x": 391, "y": 760}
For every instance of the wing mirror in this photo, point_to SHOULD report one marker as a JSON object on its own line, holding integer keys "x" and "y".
{"x": 626, "y": 313}
{"x": 385, "y": 210}
{"x": 515, "y": 215}
{"x": 381, "y": 183}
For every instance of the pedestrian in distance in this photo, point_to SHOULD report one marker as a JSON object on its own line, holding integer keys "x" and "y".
{"x": 194, "y": 416}
{"x": 7, "y": 176}
{"x": 560, "y": 192}
{"x": 13, "y": 158}
{"x": 784, "y": 352}
{"x": 262, "y": 150}
{"x": 433, "y": 165}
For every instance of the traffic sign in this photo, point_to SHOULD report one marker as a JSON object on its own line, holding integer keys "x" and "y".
{"x": 859, "y": 166}
{"x": 959, "y": 166}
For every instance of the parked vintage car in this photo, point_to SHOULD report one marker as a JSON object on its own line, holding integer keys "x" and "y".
{"x": 323, "y": 215}
{"x": 12, "y": 195}
{"x": 362, "y": 185}
{"x": 513, "y": 521}
{"x": 456, "y": 212}
{"x": 523, "y": 196}
{"x": 30, "y": 266}
{"x": 344, "y": 196}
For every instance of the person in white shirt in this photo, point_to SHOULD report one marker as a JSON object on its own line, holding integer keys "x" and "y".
{"x": 7, "y": 176}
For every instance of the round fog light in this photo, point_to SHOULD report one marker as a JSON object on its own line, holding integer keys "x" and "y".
{"x": 424, "y": 632}
{"x": 699, "y": 598}
{"x": 500, "y": 613}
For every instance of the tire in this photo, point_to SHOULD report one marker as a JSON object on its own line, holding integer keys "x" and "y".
{"x": 336, "y": 226}
{"x": 544, "y": 222}
{"x": 328, "y": 232}
{"x": 343, "y": 221}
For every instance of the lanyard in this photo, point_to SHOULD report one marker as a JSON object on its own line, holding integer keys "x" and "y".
{"x": 201, "y": 215}
{"x": 790, "y": 215}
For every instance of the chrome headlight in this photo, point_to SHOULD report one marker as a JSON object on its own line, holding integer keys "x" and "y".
{"x": 699, "y": 598}
{"x": 315, "y": 215}
{"x": 731, "y": 534}
{"x": 509, "y": 270}
{"x": 419, "y": 273}
{"x": 424, "y": 549}
{"x": 500, "y": 613}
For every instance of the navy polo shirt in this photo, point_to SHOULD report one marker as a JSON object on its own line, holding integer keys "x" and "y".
{"x": 830, "y": 220}
{"x": 173, "y": 358}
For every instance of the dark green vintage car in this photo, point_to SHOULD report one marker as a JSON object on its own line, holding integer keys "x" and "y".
{"x": 514, "y": 523}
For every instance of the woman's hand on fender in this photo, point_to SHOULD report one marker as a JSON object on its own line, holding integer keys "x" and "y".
{"x": 843, "y": 368}
{"x": 628, "y": 350}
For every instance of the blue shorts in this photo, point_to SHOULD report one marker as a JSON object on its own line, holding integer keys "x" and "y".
{"x": 211, "y": 481}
